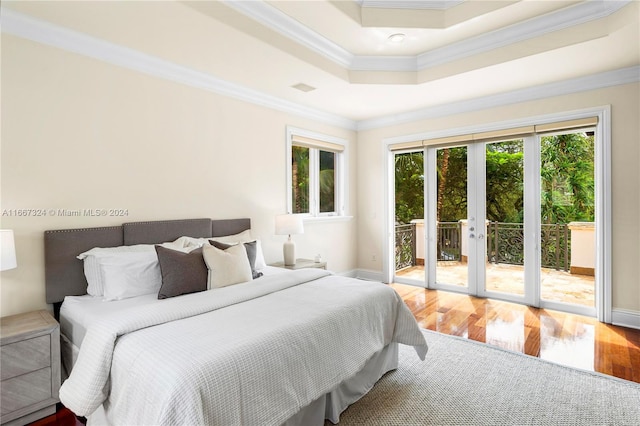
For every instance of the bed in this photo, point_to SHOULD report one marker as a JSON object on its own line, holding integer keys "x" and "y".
{"x": 287, "y": 348}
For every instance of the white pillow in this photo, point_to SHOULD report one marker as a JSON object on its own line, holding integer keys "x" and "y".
{"x": 130, "y": 274}
{"x": 260, "y": 263}
{"x": 242, "y": 237}
{"x": 183, "y": 244}
{"x": 92, "y": 266}
{"x": 91, "y": 260}
{"x": 226, "y": 267}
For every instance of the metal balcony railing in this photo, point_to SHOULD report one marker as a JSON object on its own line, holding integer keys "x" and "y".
{"x": 505, "y": 244}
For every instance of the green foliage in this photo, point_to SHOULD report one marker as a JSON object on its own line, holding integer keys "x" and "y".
{"x": 567, "y": 181}
{"x": 505, "y": 191}
{"x": 567, "y": 174}
{"x": 452, "y": 184}
{"x": 409, "y": 186}
{"x": 300, "y": 179}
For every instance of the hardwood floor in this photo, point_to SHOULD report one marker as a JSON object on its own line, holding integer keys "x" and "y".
{"x": 63, "y": 417}
{"x": 567, "y": 339}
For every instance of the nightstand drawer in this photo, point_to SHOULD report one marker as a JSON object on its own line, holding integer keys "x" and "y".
{"x": 25, "y": 390}
{"x": 25, "y": 356}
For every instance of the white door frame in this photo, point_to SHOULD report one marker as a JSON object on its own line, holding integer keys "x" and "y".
{"x": 603, "y": 196}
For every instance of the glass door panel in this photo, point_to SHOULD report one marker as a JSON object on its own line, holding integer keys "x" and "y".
{"x": 451, "y": 242}
{"x": 504, "y": 206}
{"x": 568, "y": 246}
{"x": 409, "y": 217}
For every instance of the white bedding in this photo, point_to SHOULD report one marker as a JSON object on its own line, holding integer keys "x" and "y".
{"x": 253, "y": 353}
{"x": 77, "y": 312}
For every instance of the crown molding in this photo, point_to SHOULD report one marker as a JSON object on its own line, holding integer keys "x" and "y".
{"x": 43, "y": 32}
{"x": 384, "y": 63}
{"x": 535, "y": 27}
{"x": 410, "y": 4}
{"x": 24, "y": 26}
{"x": 560, "y": 88}
{"x": 278, "y": 21}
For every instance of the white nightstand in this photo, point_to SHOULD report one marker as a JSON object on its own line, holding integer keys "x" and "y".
{"x": 29, "y": 366}
{"x": 301, "y": 264}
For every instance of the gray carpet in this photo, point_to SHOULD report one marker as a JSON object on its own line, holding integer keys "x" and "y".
{"x": 462, "y": 382}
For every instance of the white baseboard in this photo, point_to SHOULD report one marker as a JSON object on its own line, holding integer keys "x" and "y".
{"x": 625, "y": 318}
{"x": 365, "y": 274}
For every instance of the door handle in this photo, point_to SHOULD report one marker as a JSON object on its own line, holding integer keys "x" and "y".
{"x": 471, "y": 236}
{"x": 480, "y": 236}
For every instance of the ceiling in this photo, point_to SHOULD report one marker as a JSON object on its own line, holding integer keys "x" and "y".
{"x": 452, "y": 50}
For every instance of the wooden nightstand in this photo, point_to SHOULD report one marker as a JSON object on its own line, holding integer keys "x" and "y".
{"x": 29, "y": 367}
{"x": 301, "y": 264}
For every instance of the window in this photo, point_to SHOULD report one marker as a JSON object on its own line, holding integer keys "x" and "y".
{"x": 315, "y": 173}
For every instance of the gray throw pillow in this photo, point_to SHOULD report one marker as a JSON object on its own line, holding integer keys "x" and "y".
{"x": 182, "y": 273}
{"x": 251, "y": 247}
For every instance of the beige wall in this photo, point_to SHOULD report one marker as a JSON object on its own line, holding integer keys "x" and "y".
{"x": 80, "y": 134}
{"x": 625, "y": 148}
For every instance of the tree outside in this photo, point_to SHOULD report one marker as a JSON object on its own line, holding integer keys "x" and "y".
{"x": 567, "y": 181}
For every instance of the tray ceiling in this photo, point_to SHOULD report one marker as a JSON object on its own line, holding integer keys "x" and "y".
{"x": 452, "y": 50}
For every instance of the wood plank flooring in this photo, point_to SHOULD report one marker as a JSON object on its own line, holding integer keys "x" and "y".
{"x": 567, "y": 339}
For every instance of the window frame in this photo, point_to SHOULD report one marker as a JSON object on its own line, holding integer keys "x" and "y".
{"x": 314, "y": 173}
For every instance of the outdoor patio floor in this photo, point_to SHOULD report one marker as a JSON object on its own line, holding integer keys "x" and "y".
{"x": 557, "y": 286}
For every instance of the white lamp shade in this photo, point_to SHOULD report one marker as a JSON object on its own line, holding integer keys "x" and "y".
{"x": 289, "y": 224}
{"x": 7, "y": 250}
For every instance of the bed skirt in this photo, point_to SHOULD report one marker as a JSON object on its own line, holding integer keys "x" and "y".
{"x": 328, "y": 406}
{"x": 332, "y": 404}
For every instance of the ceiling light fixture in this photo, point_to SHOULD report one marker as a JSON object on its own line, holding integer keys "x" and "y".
{"x": 397, "y": 38}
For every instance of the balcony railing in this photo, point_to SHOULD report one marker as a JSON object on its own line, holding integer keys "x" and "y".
{"x": 405, "y": 246}
{"x": 505, "y": 244}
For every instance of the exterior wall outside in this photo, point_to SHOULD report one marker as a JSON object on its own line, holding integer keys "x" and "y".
{"x": 82, "y": 134}
{"x": 625, "y": 175}
{"x": 583, "y": 248}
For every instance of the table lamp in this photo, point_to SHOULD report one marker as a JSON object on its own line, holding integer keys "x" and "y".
{"x": 7, "y": 250}
{"x": 288, "y": 224}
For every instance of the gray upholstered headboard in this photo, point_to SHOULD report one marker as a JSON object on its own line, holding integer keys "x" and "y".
{"x": 64, "y": 273}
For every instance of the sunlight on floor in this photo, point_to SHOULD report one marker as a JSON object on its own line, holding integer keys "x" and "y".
{"x": 557, "y": 286}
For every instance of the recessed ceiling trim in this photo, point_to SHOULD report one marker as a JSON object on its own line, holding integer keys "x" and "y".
{"x": 382, "y": 63}
{"x": 278, "y": 21}
{"x": 563, "y": 18}
{"x": 27, "y": 27}
{"x": 410, "y": 4}
{"x": 43, "y": 32}
{"x": 543, "y": 91}
{"x": 536, "y": 27}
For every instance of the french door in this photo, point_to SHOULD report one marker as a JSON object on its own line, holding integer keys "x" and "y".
{"x": 488, "y": 231}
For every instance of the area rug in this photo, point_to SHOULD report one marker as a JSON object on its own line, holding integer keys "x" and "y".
{"x": 463, "y": 382}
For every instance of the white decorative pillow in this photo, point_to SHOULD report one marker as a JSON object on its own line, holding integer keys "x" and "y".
{"x": 226, "y": 267}
{"x": 130, "y": 274}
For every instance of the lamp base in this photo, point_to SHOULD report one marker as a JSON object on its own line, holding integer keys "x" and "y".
{"x": 289, "y": 251}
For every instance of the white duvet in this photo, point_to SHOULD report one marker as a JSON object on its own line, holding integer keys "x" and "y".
{"x": 253, "y": 353}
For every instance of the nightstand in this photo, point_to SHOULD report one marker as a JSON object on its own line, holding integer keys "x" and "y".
{"x": 301, "y": 264}
{"x": 29, "y": 367}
